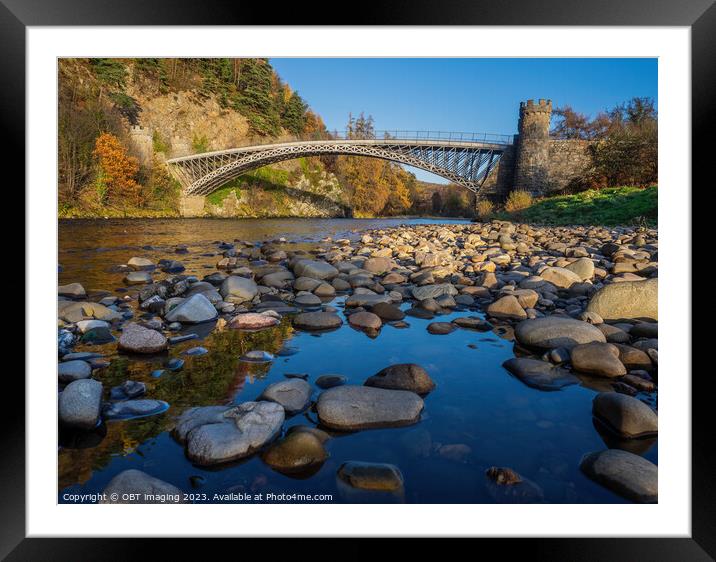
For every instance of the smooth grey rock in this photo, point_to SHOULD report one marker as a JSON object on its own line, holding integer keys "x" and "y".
{"x": 387, "y": 312}
{"x": 433, "y": 291}
{"x": 293, "y": 394}
{"x": 238, "y": 289}
{"x": 79, "y": 404}
{"x": 625, "y": 415}
{"x": 135, "y": 486}
{"x": 73, "y": 290}
{"x": 134, "y": 409}
{"x": 193, "y": 310}
{"x": 138, "y": 339}
{"x": 378, "y": 265}
{"x": 583, "y": 267}
{"x": 307, "y": 299}
{"x": 629, "y": 475}
{"x": 69, "y": 371}
{"x": 601, "y": 359}
{"x": 403, "y": 376}
{"x": 237, "y": 432}
{"x": 560, "y": 277}
{"x": 317, "y": 320}
{"x": 554, "y": 331}
{"x": 365, "y": 320}
{"x": 369, "y": 300}
{"x": 137, "y": 263}
{"x": 362, "y": 407}
{"x": 539, "y": 374}
{"x": 371, "y": 476}
{"x": 298, "y": 452}
{"x": 627, "y": 300}
{"x": 315, "y": 269}
{"x": 138, "y": 278}
{"x": 507, "y": 307}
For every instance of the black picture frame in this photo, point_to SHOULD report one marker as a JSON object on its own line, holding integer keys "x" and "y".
{"x": 699, "y": 15}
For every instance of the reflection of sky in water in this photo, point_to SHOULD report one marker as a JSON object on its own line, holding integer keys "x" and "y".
{"x": 477, "y": 417}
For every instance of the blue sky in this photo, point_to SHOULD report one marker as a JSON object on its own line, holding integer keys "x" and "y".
{"x": 471, "y": 95}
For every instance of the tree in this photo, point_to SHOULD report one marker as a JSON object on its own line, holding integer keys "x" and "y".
{"x": 256, "y": 99}
{"x": 116, "y": 172}
{"x": 625, "y": 151}
{"x": 437, "y": 203}
{"x": 401, "y": 185}
{"x": 293, "y": 117}
{"x": 571, "y": 125}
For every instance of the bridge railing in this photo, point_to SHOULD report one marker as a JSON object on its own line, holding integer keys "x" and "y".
{"x": 388, "y": 134}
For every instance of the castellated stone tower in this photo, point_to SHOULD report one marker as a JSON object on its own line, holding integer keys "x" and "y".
{"x": 532, "y": 158}
{"x": 141, "y": 144}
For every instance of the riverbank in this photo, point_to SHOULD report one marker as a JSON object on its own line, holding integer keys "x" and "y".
{"x": 491, "y": 362}
{"x": 613, "y": 206}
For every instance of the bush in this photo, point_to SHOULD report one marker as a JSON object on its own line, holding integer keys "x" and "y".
{"x": 518, "y": 200}
{"x": 485, "y": 208}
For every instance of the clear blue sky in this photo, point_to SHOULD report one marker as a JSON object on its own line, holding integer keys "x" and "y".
{"x": 471, "y": 95}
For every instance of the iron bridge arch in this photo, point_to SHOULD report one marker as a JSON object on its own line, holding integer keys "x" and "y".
{"x": 465, "y": 162}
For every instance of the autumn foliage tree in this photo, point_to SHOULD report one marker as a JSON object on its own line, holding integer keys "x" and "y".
{"x": 117, "y": 171}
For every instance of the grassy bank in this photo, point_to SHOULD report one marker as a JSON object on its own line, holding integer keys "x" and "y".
{"x": 608, "y": 207}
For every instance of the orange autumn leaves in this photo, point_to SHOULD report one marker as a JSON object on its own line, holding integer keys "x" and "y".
{"x": 116, "y": 178}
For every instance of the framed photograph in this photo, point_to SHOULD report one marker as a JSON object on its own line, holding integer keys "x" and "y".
{"x": 392, "y": 279}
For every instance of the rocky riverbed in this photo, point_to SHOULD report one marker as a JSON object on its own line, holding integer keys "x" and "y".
{"x": 568, "y": 308}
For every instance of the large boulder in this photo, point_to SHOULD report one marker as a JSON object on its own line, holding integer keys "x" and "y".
{"x": 404, "y": 376}
{"x": 138, "y": 339}
{"x": 293, "y": 394}
{"x": 625, "y": 415}
{"x": 193, "y": 310}
{"x": 351, "y": 408}
{"x": 135, "y": 486}
{"x": 238, "y": 289}
{"x": 555, "y": 331}
{"x": 80, "y": 403}
{"x": 626, "y": 474}
{"x": 221, "y": 434}
{"x": 539, "y": 374}
{"x": 627, "y": 300}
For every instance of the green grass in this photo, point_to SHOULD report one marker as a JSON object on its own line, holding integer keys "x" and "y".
{"x": 609, "y": 207}
{"x": 268, "y": 178}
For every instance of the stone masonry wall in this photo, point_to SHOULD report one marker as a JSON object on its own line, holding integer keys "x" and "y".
{"x": 568, "y": 160}
{"x": 499, "y": 183}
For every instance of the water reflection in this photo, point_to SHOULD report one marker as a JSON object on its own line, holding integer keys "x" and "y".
{"x": 478, "y": 416}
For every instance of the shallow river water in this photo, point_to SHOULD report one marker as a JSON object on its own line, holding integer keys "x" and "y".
{"x": 477, "y": 417}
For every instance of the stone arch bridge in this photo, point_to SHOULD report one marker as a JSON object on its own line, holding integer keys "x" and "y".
{"x": 463, "y": 158}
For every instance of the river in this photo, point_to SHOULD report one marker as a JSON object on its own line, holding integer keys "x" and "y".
{"x": 478, "y": 416}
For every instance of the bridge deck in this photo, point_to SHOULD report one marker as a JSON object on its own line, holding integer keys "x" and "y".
{"x": 436, "y": 143}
